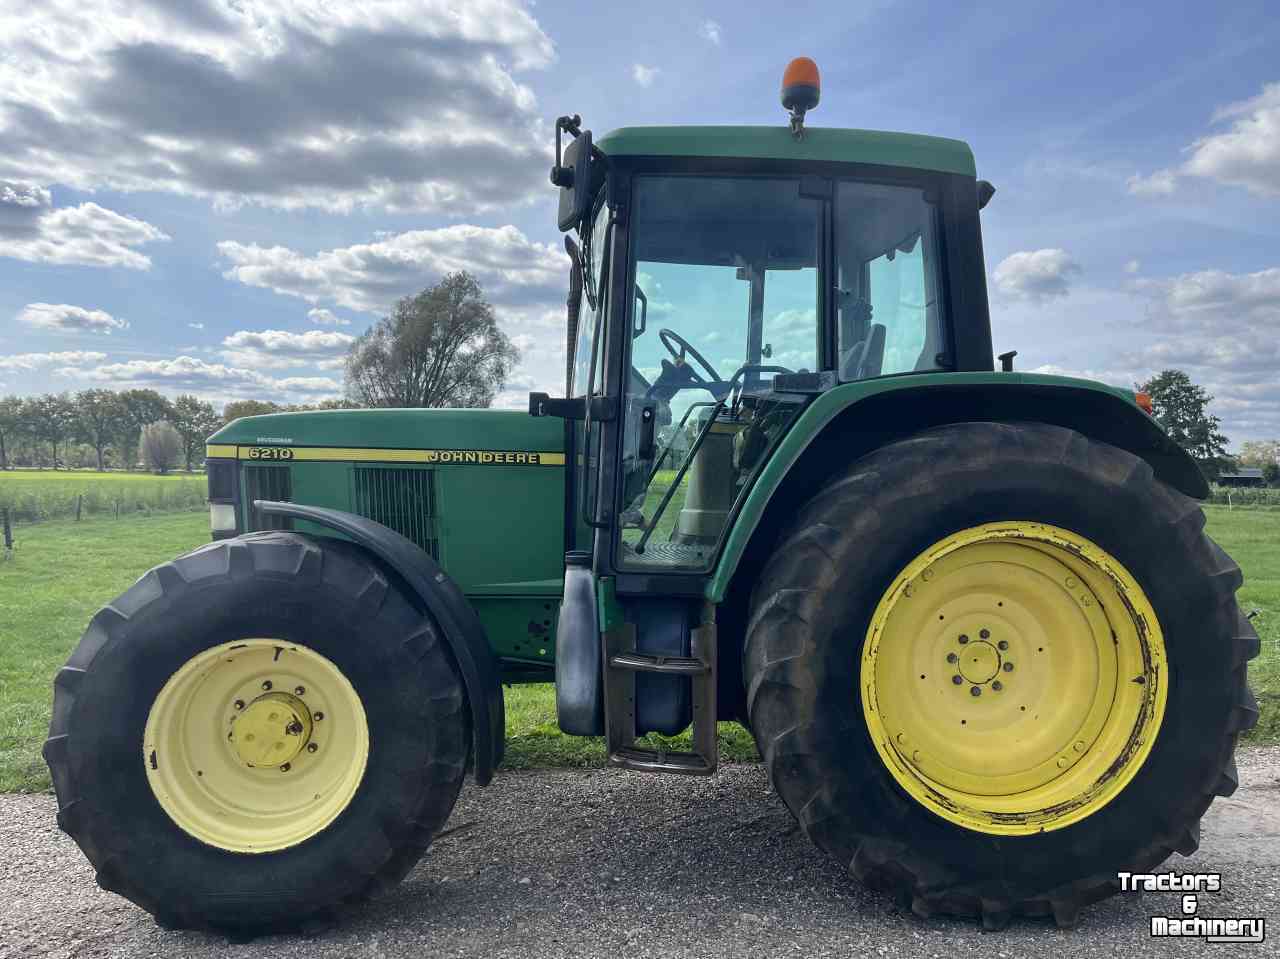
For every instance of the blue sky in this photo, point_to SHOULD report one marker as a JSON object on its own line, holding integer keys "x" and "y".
{"x": 213, "y": 197}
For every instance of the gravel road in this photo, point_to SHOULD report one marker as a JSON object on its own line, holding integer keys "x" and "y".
{"x": 607, "y": 863}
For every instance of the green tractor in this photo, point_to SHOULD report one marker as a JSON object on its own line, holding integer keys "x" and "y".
{"x": 971, "y": 617}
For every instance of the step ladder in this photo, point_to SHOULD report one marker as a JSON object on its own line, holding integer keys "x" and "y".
{"x": 623, "y": 662}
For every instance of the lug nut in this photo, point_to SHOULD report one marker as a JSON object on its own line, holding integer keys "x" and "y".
{"x": 963, "y": 639}
{"x": 266, "y": 684}
{"x": 975, "y": 691}
{"x": 239, "y": 704}
{"x": 997, "y": 685}
{"x": 952, "y": 658}
{"x": 312, "y": 747}
{"x": 1002, "y": 644}
{"x": 300, "y": 690}
{"x": 957, "y": 680}
{"x": 1007, "y": 667}
{"x": 318, "y": 716}
{"x": 285, "y": 767}
{"x": 984, "y": 633}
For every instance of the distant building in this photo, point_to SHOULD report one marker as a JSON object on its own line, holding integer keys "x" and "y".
{"x": 1245, "y": 476}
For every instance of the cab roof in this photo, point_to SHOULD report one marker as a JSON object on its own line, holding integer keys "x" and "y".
{"x": 776, "y": 143}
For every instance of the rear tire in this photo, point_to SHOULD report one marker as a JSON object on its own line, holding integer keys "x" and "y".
{"x": 813, "y": 607}
{"x": 329, "y": 599}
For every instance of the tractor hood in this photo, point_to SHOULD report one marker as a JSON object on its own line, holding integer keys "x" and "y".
{"x": 435, "y": 434}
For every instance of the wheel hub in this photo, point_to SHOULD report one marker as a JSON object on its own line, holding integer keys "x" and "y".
{"x": 979, "y": 663}
{"x": 271, "y": 730}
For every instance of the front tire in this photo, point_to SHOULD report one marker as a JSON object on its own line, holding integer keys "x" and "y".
{"x": 256, "y": 733}
{"x": 881, "y": 759}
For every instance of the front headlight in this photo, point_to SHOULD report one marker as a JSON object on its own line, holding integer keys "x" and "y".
{"x": 222, "y": 517}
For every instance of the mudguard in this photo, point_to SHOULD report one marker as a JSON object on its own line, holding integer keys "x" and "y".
{"x": 855, "y": 418}
{"x": 447, "y": 605}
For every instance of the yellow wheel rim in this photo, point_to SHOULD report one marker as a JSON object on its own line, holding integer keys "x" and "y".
{"x": 1013, "y": 678}
{"x": 256, "y": 745}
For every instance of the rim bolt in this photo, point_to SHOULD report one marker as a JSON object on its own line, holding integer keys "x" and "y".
{"x": 300, "y": 690}
{"x": 266, "y": 684}
{"x": 952, "y": 658}
{"x": 957, "y": 680}
{"x": 997, "y": 685}
{"x": 1002, "y": 644}
{"x": 975, "y": 691}
{"x": 312, "y": 747}
{"x": 285, "y": 767}
{"x": 318, "y": 716}
{"x": 239, "y": 704}
{"x": 1007, "y": 667}
{"x": 984, "y": 633}
{"x": 963, "y": 639}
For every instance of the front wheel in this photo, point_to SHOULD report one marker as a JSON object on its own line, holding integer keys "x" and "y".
{"x": 995, "y": 664}
{"x": 256, "y": 733}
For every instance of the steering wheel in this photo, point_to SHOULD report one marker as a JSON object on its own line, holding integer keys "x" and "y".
{"x": 712, "y": 378}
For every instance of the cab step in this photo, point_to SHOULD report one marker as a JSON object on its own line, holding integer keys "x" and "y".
{"x": 622, "y": 663}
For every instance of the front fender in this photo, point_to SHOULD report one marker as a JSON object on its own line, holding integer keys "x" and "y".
{"x": 853, "y": 419}
{"x": 447, "y": 605}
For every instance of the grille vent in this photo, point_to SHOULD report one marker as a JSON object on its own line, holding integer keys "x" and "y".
{"x": 403, "y": 499}
{"x": 267, "y": 482}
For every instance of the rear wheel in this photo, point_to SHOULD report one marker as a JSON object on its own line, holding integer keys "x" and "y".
{"x": 995, "y": 664}
{"x": 257, "y": 733}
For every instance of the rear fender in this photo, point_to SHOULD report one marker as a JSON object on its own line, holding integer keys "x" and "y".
{"x": 851, "y": 420}
{"x": 445, "y": 602}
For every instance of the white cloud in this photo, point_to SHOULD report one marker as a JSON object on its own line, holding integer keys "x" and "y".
{"x": 280, "y": 349}
{"x": 1246, "y": 155}
{"x": 65, "y": 318}
{"x": 196, "y": 326}
{"x": 370, "y": 277}
{"x": 35, "y": 361}
{"x": 187, "y": 373}
{"x": 644, "y": 75}
{"x": 1036, "y": 275}
{"x": 1133, "y": 266}
{"x": 710, "y": 31}
{"x": 1221, "y": 328}
{"x": 393, "y": 104}
{"x": 1160, "y": 183}
{"x": 322, "y": 317}
{"x": 32, "y": 229}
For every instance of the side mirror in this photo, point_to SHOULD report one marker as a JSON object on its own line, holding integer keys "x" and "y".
{"x": 572, "y": 174}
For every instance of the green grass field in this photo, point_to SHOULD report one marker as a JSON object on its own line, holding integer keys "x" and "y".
{"x": 62, "y": 571}
{"x": 36, "y": 495}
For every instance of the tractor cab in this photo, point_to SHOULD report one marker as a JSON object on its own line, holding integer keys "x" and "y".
{"x": 724, "y": 278}
{"x": 730, "y": 275}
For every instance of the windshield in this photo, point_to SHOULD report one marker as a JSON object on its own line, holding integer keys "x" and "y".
{"x": 726, "y": 293}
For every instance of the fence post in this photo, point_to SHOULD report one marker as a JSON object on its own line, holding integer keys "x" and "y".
{"x": 79, "y": 503}
{"x": 8, "y": 532}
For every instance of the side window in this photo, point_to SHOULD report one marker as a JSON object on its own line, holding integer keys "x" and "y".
{"x": 888, "y": 285}
{"x": 592, "y": 302}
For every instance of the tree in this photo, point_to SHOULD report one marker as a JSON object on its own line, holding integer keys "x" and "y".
{"x": 1257, "y": 453}
{"x": 161, "y": 446}
{"x": 195, "y": 422}
{"x": 238, "y": 408}
{"x": 98, "y": 414}
{"x": 1181, "y": 407}
{"x": 55, "y": 420}
{"x": 13, "y": 424}
{"x": 139, "y": 408}
{"x": 1271, "y": 473}
{"x": 440, "y": 348}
